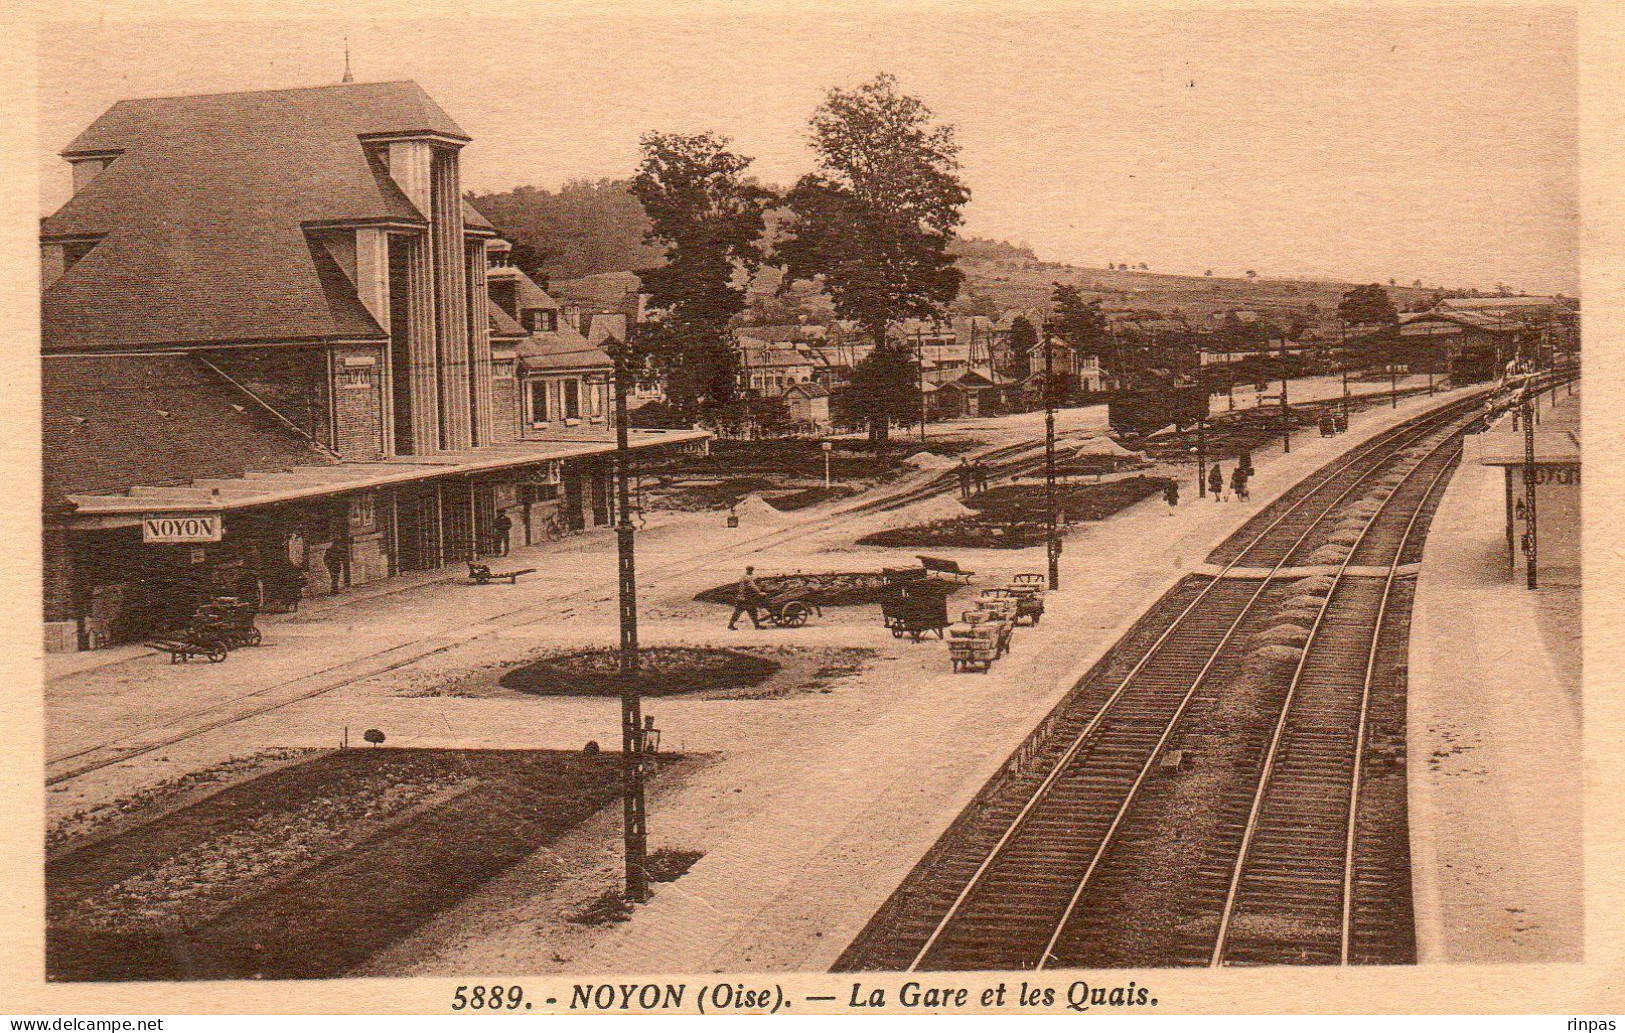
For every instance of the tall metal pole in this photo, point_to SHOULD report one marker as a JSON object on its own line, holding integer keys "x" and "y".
{"x": 1201, "y": 452}
{"x": 1286, "y": 414}
{"x": 634, "y": 816}
{"x": 919, "y": 358}
{"x": 1053, "y": 542}
{"x": 1531, "y": 534}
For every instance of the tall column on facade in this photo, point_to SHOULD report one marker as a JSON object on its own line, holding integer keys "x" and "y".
{"x": 410, "y": 165}
{"x": 421, "y": 355}
{"x": 479, "y": 345}
{"x": 372, "y": 285}
{"x": 451, "y": 301}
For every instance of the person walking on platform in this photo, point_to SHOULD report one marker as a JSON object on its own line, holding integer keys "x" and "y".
{"x": 500, "y": 531}
{"x": 1238, "y": 484}
{"x": 1215, "y": 483}
{"x": 979, "y": 473}
{"x": 1170, "y": 495}
{"x": 747, "y": 598}
{"x": 964, "y": 478}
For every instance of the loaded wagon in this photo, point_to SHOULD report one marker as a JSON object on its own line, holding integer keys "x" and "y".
{"x": 977, "y": 640}
{"x": 1028, "y": 590}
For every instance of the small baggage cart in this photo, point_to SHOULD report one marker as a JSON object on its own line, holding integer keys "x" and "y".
{"x": 916, "y": 608}
{"x": 228, "y": 619}
{"x": 1028, "y": 590}
{"x": 977, "y": 640}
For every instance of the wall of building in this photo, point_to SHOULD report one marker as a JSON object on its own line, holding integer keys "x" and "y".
{"x": 504, "y": 401}
{"x": 358, "y": 415}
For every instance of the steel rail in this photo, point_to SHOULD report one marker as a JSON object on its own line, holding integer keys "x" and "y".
{"x": 1255, "y": 811}
{"x": 1408, "y": 432}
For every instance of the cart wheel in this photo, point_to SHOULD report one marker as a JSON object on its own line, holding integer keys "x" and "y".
{"x": 897, "y": 633}
{"x": 216, "y": 654}
{"x": 794, "y": 614}
{"x": 254, "y": 637}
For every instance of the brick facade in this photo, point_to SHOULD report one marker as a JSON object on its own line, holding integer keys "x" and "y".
{"x": 357, "y": 423}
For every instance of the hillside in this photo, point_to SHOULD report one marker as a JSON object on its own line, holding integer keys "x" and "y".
{"x": 589, "y": 228}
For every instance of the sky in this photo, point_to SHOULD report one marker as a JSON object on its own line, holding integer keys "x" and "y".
{"x": 1360, "y": 143}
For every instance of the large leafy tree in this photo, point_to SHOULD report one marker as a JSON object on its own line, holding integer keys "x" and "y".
{"x": 873, "y": 225}
{"x": 710, "y": 221}
{"x": 1082, "y": 324}
{"x": 1368, "y": 304}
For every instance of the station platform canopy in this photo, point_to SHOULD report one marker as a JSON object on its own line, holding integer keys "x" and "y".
{"x": 212, "y": 495}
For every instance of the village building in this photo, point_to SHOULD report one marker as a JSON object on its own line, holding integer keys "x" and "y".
{"x": 807, "y": 405}
{"x": 273, "y": 354}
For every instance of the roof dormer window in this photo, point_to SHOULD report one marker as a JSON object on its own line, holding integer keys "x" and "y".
{"x": 541, "y": 320}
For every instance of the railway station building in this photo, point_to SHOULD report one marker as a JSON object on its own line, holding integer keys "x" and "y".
{"x": 278, "y": 346}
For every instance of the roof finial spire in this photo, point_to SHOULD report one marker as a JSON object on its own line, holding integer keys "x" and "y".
{"x": 347, "y": 76}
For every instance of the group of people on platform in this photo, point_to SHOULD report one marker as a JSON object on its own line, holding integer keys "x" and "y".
{"x": 1240, "y": 477}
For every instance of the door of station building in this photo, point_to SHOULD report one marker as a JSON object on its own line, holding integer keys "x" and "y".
{"x": 485, "y": 519}
{"x": 457, "y": 516}
{"x": 417, "y": 530}
{"x": 573, "y": 490}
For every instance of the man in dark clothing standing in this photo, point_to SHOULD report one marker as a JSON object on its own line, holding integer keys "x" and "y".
{"x": 1215, "y": 483}
{"x": 338, "y": 563}
{"x": 981, "y": 476}
{"x": 964, "y": 478}
{"x": 748, "y": 596}
{"x": 501, "y": 529}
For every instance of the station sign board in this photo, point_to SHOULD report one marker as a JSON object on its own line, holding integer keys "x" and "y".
{"x": 181, "y": 529}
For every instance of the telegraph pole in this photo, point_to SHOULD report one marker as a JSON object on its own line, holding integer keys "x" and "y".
{"x": 634, "y": 816}
{"x": 1053, "y": 544}
{"x": 1201, "y": 449}
{"x": 1530, "y": 534}
{"x": 919, "y": 360}
{"x": 1286, "y": 415}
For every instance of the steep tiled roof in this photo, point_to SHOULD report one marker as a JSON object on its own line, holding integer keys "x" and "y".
{"x": 545, "y": 353}
{"x": 111, "y": 422}
{"x": 201, "y": 215}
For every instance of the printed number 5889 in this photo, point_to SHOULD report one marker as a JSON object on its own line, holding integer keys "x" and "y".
{"x": 488, "y": 998}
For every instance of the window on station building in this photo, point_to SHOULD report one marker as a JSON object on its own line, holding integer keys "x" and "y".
{"x": 541, "y": 320}
{"x": 538, "y": 402}
{"x": 572, "y": 399}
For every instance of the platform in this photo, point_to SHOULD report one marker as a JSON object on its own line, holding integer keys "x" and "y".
{"x": 1494, "y": 744}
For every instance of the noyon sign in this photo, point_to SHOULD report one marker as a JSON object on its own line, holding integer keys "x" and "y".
{"x": 170, "y": 529}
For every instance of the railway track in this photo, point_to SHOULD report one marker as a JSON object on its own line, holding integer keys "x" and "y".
{"x": 1038, "y": 873}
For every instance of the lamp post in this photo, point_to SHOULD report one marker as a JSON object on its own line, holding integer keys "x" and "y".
{"x": 828, "y": 448}
{"x": 1201, "y": 450}
{"x": 634, "y": 815}
{"x": 919, "y": 361}
{"x": 1053, "y": 542}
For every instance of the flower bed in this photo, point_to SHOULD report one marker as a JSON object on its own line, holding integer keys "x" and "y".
{"x": 1015, "y": 516}
{"x": 664, "y": 671}
{"x": 307, "y": 871}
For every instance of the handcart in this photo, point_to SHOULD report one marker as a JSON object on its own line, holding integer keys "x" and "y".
{"x": 184, "y": 648}
{"x": 916, "y": 608}
{"x": 977, "y": 640}
{"x": 792, "y": 609}
{"x": 227, "y": 619}
{"x": 1028, "y": 590}
{"x": 1000, "y": 601}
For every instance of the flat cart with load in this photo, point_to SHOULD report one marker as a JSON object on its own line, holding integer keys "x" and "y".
{"x": 228, "y": 619}
{"x": 915, "y": 607}
{"x": 792, "y": 609}
{"x": 977, "y": 640}
{"x": 999, "y": 601}
{"x": 1028, "y": 590}
{"x": 182, "y": 648}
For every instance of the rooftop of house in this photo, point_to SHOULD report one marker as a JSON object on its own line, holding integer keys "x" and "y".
{"x": 201, "y": 184}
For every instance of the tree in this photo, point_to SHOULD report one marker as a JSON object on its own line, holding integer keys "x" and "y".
{"x": 1368, "y": 304}
{"x": 1080, "y": 323}
{"x": 874, "y": 223}
{"x": 1252, "y": 274}
{"x": 1208, "y": 273}
{"x": 709, "y": 221}
{"x": 1023, "y": 339}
